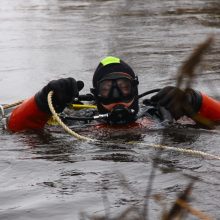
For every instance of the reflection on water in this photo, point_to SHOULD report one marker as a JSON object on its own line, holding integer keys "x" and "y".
{"x": 50, "y": 175}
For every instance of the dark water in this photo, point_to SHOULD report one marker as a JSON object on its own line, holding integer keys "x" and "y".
{"x": 50, "y": 175}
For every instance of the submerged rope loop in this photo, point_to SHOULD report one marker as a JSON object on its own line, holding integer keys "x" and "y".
{"x": 156, "y": 146}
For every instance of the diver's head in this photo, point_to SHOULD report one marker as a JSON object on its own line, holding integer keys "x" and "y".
{"x": 115, "y": 87}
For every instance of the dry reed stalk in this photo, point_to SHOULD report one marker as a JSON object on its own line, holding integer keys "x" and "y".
{"x": 180, "y": 206}
{"x": 188, "y": 68}
{"x": 193, "y": 211}
{"x": 176, "y": 210}
{"x": 187, "y": 71}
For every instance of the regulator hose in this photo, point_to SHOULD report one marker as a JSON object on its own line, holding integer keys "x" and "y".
{"x": 90, "y": 97}
{"x": 148, "y": 92}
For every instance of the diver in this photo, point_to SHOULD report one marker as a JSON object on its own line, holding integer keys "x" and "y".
{"x": 115, "y": 93}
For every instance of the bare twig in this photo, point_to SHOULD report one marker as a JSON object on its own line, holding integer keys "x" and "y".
{"x": 189, "y": 65}
{"x": 176, "y": 209}
{"x": 193, "y": 211}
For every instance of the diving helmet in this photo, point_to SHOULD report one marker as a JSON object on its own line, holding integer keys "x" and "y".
{"x": 115, "y": 88}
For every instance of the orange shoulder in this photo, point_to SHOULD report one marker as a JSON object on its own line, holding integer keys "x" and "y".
{"x": 27, "y": 116}
{"x": 210, "y": 108}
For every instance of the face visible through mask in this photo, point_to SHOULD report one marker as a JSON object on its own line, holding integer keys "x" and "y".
{"x": 116, "y": 89}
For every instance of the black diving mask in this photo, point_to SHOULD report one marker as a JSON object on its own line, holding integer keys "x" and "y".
{"x": 116, "y": 88}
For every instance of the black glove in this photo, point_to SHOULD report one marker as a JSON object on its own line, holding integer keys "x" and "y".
{"x": 65, "y": 90}
{"x": 178, "y": 102}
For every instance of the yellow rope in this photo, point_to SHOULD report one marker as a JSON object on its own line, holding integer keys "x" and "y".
{"x": 67, "y": 129}
{"x": 156, "y": 146}
{"x": 80, "y": 137}
{"x": 12, "y": 105}
{"x": 182, "y": 150}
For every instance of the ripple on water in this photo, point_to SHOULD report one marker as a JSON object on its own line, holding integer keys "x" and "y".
{"x": 49, "y": 175}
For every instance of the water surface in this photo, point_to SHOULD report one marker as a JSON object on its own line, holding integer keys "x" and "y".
{"x": 50, "y": 175}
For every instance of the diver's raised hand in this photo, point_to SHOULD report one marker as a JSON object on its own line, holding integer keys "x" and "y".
{"x": 178, "y": 102}
{"x": 65, "y": 90}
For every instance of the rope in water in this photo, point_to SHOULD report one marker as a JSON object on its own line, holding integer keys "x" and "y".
{"x": 12, "y": 105}
{"x": 59, "y": 121}
{"x": 183, "y": 150}
{"x": 156, "y": 146}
